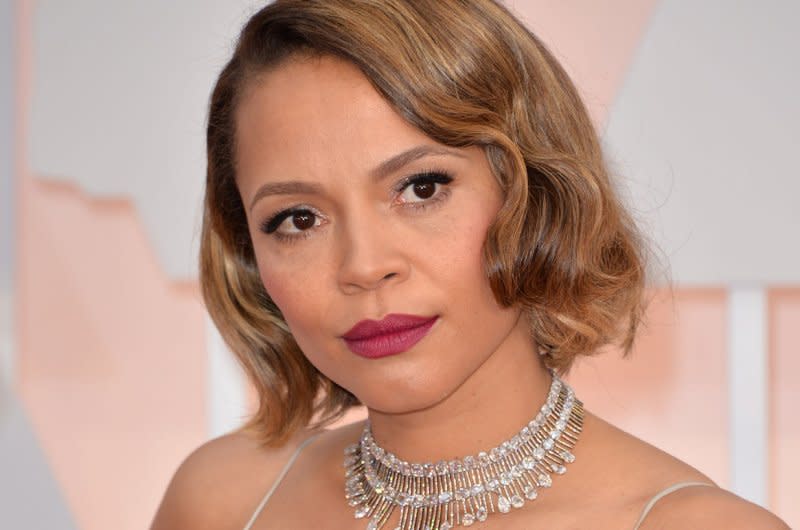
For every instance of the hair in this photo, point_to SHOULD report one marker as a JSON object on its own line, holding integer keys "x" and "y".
{"x": 466, "y": 73}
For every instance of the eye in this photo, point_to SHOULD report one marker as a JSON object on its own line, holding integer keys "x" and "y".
{"x": 419, "y": 191}
{"x": 423, "y": 187}
{"x": 291, "y": 223}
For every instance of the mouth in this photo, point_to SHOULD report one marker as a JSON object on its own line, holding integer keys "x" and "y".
{"x": 392, "y": 335}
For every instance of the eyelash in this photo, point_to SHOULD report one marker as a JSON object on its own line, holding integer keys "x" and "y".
{"x": 270, "y": 225}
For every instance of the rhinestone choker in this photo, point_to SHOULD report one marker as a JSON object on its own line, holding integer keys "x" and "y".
{"x": 464, "y": 492}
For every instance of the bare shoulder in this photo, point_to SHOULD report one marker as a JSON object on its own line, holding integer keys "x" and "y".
{"x": 219, "y": 484}
{"x": 646, "y": 470}
{"x": 640, "y": 468}
{"x": 711, "y": 508}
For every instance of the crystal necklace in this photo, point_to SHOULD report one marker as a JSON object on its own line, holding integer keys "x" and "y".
{"x": 464, "y": 492}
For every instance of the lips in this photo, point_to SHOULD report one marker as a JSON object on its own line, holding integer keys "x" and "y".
{"x": 393, "y": 334}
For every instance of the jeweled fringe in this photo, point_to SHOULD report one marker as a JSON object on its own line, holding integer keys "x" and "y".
{"x": 461, "y": 493}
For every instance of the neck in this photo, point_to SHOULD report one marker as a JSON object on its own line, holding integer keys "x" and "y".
{"x": 489, "y": 407}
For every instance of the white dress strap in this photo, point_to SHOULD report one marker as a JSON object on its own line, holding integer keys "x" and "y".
{"x": 663, "y": 493}
{"x": 278, "y": 481}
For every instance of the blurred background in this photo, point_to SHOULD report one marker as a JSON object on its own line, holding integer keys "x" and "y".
{"x": 111, "y": 372}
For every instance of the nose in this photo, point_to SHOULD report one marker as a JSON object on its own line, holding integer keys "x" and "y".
{"x": 371, "y": 255}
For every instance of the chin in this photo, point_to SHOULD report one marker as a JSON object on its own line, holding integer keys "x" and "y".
{"x": 399, "y": 395}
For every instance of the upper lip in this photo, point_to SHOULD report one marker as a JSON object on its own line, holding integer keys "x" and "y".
{"x": 389, "y": 324}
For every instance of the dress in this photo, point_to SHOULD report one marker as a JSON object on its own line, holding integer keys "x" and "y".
{"x": 649, "y": 506}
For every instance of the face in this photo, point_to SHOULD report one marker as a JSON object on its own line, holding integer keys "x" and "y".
{"x": 355, "y": 214}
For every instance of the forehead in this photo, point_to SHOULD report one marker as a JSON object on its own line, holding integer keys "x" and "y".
{"x": 317, "y": 114}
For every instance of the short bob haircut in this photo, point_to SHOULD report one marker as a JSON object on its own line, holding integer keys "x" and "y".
{"x": 466, "y": 73}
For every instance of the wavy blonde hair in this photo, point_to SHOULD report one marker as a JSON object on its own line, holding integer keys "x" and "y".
{"x": 466, "y": 73}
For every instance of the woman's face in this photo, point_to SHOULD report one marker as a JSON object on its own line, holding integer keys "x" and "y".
{"x": 355, "y": 214}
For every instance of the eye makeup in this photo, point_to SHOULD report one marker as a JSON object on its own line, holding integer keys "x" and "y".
{"x": 301, "y": 215}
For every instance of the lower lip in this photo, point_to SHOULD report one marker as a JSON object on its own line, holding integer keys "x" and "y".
{"x": 390, "y": 343}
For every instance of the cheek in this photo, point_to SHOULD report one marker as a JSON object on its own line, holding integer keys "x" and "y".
{"x": 294, "y": 293}
{"x": 461, "y": 250}
{"x": 279, "y": 291}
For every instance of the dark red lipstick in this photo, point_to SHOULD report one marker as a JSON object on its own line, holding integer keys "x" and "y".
{"x": 391, "y": 335}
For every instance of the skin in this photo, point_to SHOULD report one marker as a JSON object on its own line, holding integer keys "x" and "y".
{"x": 377, "y": 251}
{"x": 374, "y": 247}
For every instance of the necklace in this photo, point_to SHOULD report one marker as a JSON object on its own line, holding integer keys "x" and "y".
{"x": 463, "y": 492}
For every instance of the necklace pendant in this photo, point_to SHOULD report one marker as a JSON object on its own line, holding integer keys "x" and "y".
{"x": 464, "y": 492}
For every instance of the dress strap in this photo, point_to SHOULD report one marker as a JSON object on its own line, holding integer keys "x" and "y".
{"x": 663, "y": 493}
{"x": 278, "y": 480}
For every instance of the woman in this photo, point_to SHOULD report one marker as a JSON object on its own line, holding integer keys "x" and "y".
{"x": 407, "y": 208}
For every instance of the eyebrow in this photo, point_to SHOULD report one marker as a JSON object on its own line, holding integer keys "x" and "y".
{"x": 385, "y": 168}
